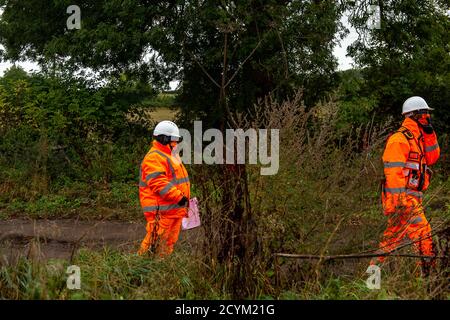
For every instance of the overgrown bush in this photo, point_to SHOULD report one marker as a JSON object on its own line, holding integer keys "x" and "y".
{"x": 325, "y": 199}
{"x": 57, "y": 130}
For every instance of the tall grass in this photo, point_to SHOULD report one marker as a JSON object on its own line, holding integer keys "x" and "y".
{"x": 325, "y": 199}
{"x": 109, "y": 274}
{"x": 112, "y": 274}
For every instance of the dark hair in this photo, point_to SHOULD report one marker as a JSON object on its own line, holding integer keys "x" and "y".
{"x": 163, "y": 139}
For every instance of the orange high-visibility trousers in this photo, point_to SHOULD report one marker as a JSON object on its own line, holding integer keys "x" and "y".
{"x": 407, "y": 227}
{"x": 163, "y": 233}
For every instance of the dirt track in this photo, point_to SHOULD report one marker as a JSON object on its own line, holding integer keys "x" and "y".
{"x": 46, "y": 239}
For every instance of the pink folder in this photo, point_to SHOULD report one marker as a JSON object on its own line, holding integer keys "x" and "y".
{"x": 193, "y": 220}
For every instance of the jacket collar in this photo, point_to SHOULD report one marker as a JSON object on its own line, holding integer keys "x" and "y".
{"x": 412, "y": 126}
{"x": 160, "y": 147}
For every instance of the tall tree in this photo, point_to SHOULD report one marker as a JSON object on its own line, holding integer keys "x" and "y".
{"x": 227, "y": 54}
{"x": 232, "y": 54}
{"x": 245, "y": 50}
{"x": 271, "y": 46}
{"x": 114, "y": 37}
{"x": 408, "y": 54}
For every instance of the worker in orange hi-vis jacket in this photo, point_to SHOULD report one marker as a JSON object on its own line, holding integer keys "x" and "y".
{"x": 164, "y": 190}
{"x": 407, "y": 158}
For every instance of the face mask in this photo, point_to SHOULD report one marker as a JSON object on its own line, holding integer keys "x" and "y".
{"x": 424, "y": 120}
{"x": 173, "y": 144}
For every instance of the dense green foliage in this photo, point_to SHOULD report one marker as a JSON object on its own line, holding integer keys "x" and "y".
{"x": 72, "y": 137}
{"x": 254, "y": 47}
{"x": 62, "y": 129}
{"x": 326, "y": 203}
{"x": 408, "y": 55}
{"x": 249, "y": 50}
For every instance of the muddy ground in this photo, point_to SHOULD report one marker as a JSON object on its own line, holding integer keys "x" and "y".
{"x": 60, "y": 239}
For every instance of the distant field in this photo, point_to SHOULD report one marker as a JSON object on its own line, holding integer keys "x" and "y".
{"x": 161, "y": 107}
{"x": 164, "y": 107}
{"x": 163, "y": 113}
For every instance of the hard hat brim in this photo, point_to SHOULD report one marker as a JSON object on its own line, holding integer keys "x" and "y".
{"x": 430, "y": 109}
{"x": 162, "y": 134}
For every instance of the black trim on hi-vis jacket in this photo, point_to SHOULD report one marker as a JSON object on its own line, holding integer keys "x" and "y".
{"x": 406, "y": 132}
{"x": 417, "y": 174}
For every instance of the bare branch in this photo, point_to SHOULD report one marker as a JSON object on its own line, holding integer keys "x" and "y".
{"x": 353, "y": 256}
{"x": 243, "y": 62}
{"x": 203, "y": 69}
{"x": 367, "y": 255}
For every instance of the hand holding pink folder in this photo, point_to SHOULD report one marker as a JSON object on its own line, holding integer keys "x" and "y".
{"x": 193, "y": 219}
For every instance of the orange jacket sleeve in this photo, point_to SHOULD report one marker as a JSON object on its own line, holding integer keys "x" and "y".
{"x": 154, "y": 173}
{"x": 395, "y": 157}
{"x": 432, "y": 150}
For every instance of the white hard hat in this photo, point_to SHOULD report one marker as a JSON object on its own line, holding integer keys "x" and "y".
{"x": 414, "y": 104}
{"x": 167, "y": 128}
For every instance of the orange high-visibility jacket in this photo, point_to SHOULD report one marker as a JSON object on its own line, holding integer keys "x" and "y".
{"x": 409, "y": 153}
{"x": 163, "y": 182}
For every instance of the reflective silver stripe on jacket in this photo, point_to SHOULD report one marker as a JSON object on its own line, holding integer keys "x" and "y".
{"x": 409, "y": 165}
{"x": 153, "y": 175}
{"x": 395, "y": 190}
{"x": 162, "y": 208}
{"x": 171, "y": 184}
{"x": 431, "y": 148}
{"x": 404, "y": 190}
{"x": 167, "y": 188}
{"x": 142, "y": 184}
{"x": 416, "y": 220}
{"x": 168, "y": 160}
{"x": 148, "y": 177}
{"x": 174, "y": 180}
{"x": 412, "y": 165}
{"x": 182, "y": 180}
{"x": 417, "y": 194}
{"x": 394, "y": 164}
